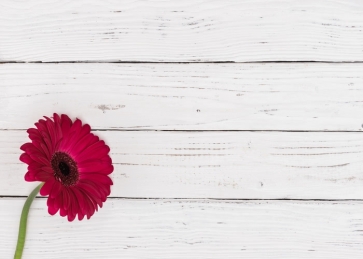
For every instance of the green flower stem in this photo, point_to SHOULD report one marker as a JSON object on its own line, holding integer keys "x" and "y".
{"x": 23, "y": 222}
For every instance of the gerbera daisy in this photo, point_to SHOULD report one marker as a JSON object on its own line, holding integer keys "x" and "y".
{"x": 72, "y": 162}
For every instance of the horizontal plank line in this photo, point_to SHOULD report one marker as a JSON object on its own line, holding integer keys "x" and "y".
{"x": 160, "y": 130}
{"x": 176, "y": 62}
{"x": 306, "y": 96}
{"x": 213, "y": 199}
{"x": 247, "y": 165}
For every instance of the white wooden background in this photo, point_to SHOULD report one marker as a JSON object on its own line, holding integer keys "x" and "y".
{"x": 235, "y": 127}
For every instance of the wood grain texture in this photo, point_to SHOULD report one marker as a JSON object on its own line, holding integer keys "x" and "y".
{"x": 251, "y": 165}
{"x": 191, "y": 229}
{"x": 190, "y": 30}
{"x": 324, "y": 97}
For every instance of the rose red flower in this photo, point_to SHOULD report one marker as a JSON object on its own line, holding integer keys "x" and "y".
{"x": 73, "y": 164}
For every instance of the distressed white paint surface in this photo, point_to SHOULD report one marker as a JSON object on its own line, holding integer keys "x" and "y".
{"x": 289, "y": 96}
{"x": 212, "y": 100}
{"x": 189, "y": 30}
{"x": 191, "y": 229}
{"x": 267, "y": 165}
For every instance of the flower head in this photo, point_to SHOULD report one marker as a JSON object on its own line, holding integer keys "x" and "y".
{"x": 72, "y": 162}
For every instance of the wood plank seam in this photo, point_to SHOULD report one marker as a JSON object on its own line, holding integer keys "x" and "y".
{"x": 327, "y": 201}
{"x": 175, "y": 63}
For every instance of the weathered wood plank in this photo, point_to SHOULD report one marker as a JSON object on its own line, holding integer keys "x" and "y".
{"x": 190, "y": 229}
{"x": 190, "y": 30}
{"x": 326, "y": 97}
{"x": 217, "y": 164}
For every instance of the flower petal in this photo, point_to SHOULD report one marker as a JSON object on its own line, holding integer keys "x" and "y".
{"x": 52, "y": 207}
{"x": 98, "y": 178}
{"x": 29, "y": 177}
{"x": 25, "y": 158}
{"x": 96, "y": 150}
{"x": 56, "y": 189}
{"x": 66, "y": 124}
{"x": 46, "y": 188}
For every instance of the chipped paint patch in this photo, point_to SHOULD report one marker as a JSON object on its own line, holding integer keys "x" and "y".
{"x": 105, "y": 108}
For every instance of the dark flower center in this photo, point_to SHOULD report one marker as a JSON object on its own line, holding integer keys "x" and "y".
{"x": 65, "y": 168}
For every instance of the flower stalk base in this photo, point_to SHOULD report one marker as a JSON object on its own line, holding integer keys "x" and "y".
{"x": 23, "y": 222}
